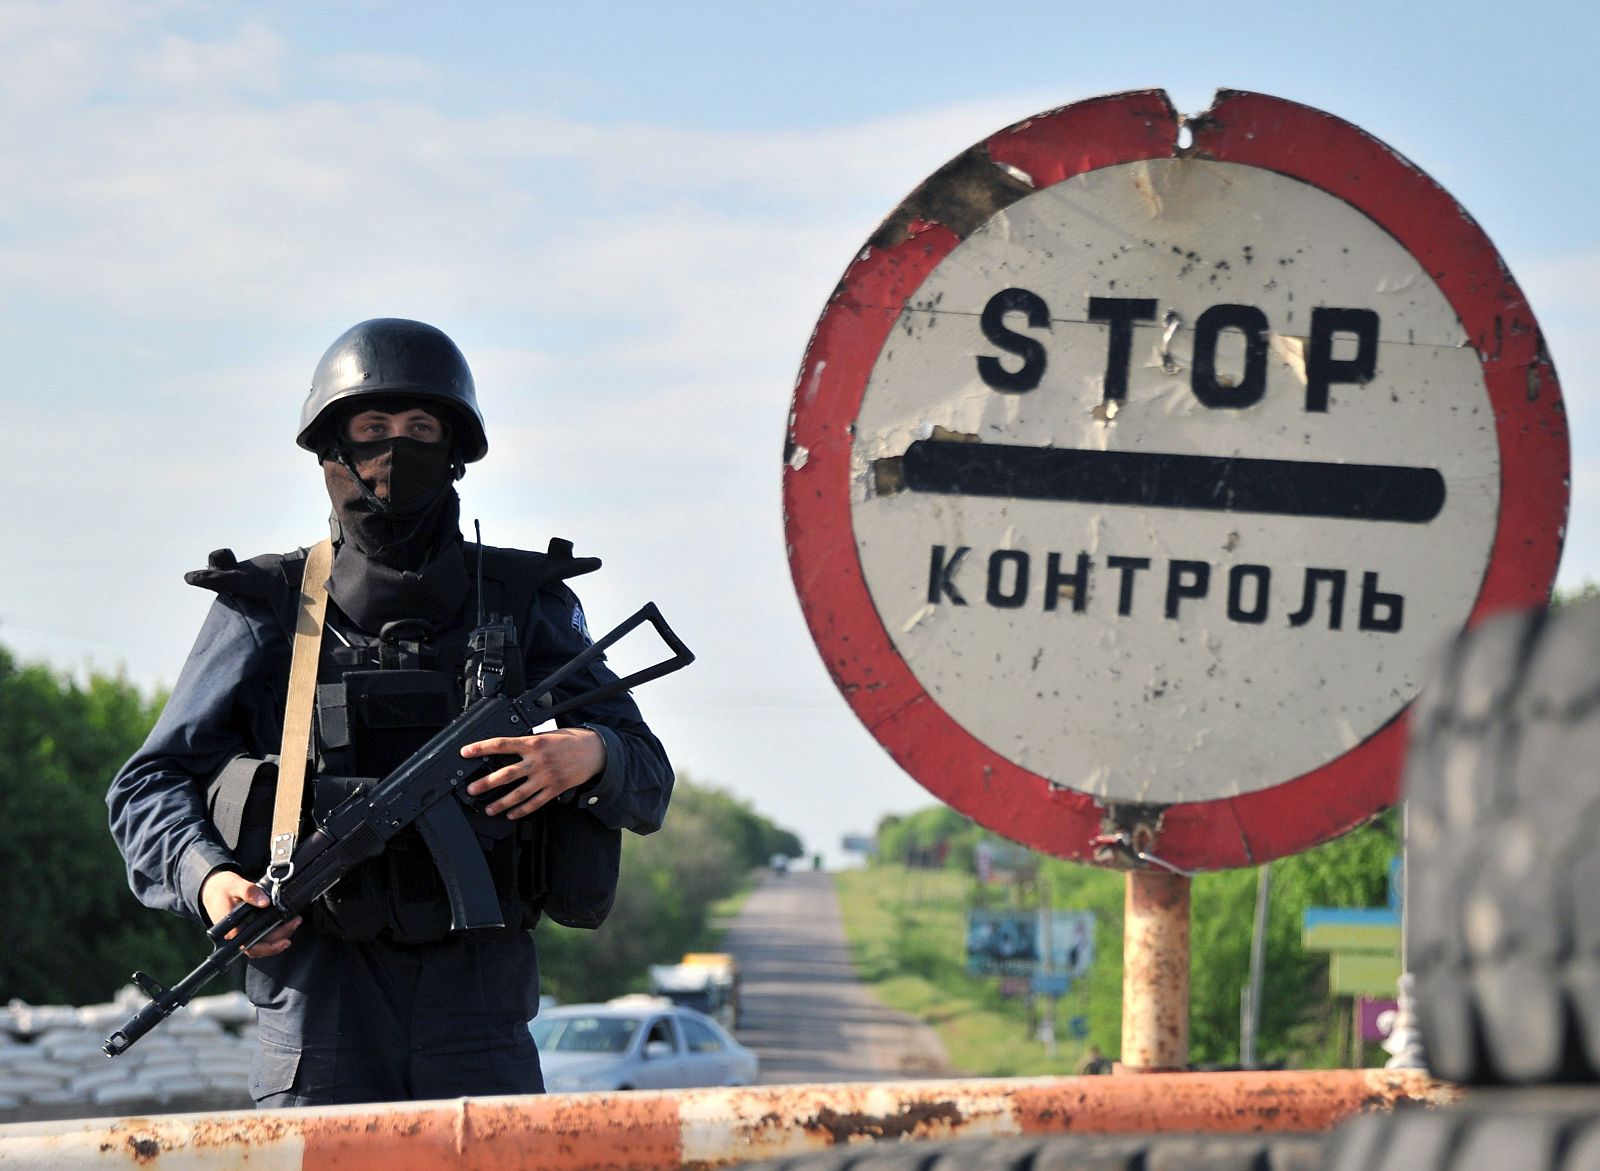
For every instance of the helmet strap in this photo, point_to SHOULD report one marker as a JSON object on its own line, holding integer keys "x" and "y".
{"x": 341, "y": 456}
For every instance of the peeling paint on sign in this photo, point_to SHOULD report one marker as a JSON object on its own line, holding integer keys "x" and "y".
{"x": 1170, "y": 466}
{"x": 962, "y": 195}
{"x": 1072, "y": 247}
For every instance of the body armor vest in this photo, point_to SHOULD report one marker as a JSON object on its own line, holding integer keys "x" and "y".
{"x": 380, "y": 698}
{"x": 378, "y": 701}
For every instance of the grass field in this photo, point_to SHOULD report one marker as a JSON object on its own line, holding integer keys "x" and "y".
{"x": 907, "y": 935}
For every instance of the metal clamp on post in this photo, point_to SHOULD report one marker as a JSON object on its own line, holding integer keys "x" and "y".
{"x": 1127, "y": 833}
{"x": 1108, "y": 846}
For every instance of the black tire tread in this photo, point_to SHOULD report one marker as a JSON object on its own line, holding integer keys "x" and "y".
{"x": 1540, "y": 1129}
{"x": 1068, "y": 1152}
{"x": 1503, "y": 856}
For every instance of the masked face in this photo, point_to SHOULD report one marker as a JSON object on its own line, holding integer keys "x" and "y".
{"x": 404, "y": 475}
{"x": 389, "y": 478}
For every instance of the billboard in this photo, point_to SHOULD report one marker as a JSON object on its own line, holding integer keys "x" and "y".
{"x": 1025, "y": 943}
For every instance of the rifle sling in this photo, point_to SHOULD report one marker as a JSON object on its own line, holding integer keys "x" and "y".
{"x": 310, "y": 616}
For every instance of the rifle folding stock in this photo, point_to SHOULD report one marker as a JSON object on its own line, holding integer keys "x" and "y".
{"x": 414, "y": 794}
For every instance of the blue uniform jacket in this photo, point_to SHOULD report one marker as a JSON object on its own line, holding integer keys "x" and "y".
{"x": 229, "y": 700}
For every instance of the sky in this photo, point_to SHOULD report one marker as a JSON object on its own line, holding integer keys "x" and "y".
{"x": 629, "y": 217}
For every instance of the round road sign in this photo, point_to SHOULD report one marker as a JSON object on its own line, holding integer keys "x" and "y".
{"x": 1135, "y": 486}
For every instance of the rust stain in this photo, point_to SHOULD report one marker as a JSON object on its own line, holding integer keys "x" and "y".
{"x": 647, "y": 1132}
{"x": 888, "y": 475}
{"x": 1155, "y": 977}
{"x": 841, "y": 1113}
{"x": 144, "y": 1149}
{"x": 962, "y": 195}
{"x": 1257, "y": 1101}
{"x": 917, "y": 1119}
{"x": 889, "y": 472}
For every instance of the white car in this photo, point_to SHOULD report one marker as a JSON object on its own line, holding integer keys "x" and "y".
{"x": 636, "y": 1043}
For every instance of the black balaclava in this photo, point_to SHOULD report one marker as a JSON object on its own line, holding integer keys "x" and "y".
{"x": 397, "y": 511}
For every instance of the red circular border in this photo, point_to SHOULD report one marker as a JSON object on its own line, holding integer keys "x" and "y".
{"x": 1254, "y": 130}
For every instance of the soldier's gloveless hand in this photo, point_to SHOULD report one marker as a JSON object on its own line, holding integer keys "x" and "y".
{"x": 547, "y": 765}
{"x": 226, "y": 889}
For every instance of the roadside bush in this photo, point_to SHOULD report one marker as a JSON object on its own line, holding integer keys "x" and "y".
{"x": 1298, "y": 1029}
{"x": 73, "y": 932}
{"x": 709, "y": 845}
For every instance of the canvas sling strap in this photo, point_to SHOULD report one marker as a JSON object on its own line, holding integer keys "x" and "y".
{"x": 310, "y": 615}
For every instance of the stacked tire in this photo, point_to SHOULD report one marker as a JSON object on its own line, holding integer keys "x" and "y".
{"x": 1503, "y": 904}
{"x": 1070, "y": 1152}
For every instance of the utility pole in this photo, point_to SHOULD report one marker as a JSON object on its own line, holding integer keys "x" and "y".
{"x": 1251, "y": 1028}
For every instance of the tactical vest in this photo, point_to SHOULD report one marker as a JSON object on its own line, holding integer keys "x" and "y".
{"x": 379, "y": 698}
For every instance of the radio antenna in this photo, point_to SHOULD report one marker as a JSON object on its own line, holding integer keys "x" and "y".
{"x": 477, "y": 533}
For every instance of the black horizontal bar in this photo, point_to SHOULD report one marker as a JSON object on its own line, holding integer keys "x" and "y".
{"x": 1210, "y": 483}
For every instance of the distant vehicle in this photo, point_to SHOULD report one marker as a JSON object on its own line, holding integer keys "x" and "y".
{"x": 706, "y": 981}
{"x": 779, "y": 863}
{"x": 637, "y": 1043}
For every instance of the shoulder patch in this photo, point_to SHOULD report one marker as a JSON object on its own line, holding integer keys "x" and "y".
{"x": 580, "y": 623}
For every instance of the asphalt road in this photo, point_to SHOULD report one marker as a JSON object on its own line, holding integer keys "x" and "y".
{"x": 803, "y": 1009}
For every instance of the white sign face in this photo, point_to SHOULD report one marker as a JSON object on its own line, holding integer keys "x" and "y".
{"x": 1173, "y": 478}
{"x": 1133, "y": 485}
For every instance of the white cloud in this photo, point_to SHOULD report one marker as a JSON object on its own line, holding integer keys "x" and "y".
{"x": 62, "y": 53}
{"x": 635, "y": 300}
{"x": 248, "y": 62}
{"x": 175, "y": 208}
{"x": 379, "y": 71}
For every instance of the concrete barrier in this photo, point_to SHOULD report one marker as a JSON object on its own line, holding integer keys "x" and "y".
{"x": 710, "y": 1128}
{"x": 52, "y": 1066}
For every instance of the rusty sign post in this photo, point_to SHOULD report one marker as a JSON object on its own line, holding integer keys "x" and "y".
{"x": 1135, "y": 480}
{"x": 1155, "y": 972}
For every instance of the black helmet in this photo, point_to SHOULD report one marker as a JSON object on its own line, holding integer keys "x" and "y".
{"x": 391, "y": 357}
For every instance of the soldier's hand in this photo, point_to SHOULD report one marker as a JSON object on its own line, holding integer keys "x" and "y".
{"x": 547, "y": 765}
{"x": 226, "y": 889}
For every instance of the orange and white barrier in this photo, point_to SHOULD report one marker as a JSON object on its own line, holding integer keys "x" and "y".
{"x": 707, "y": 1128}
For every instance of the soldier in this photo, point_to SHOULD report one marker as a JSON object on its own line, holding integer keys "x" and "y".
{"x": 372, "y": 998}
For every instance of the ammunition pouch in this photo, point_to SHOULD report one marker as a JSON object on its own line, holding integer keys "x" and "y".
{"x": 574, "y": 866}
{"x": 371, "y": 721}
{"x": 239, "y": 800}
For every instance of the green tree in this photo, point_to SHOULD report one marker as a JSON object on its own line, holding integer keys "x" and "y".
{"x": 73, "y": 932}
{"x": 1351, "y": 871}
{"x": 753, "y": 839}
{"x": 710, "y": 843}
{"x": 936, "y": 831}
{"x": 1583, "y": 593}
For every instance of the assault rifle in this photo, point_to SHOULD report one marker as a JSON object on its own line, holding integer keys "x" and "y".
{"x": 418, "y": 793}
